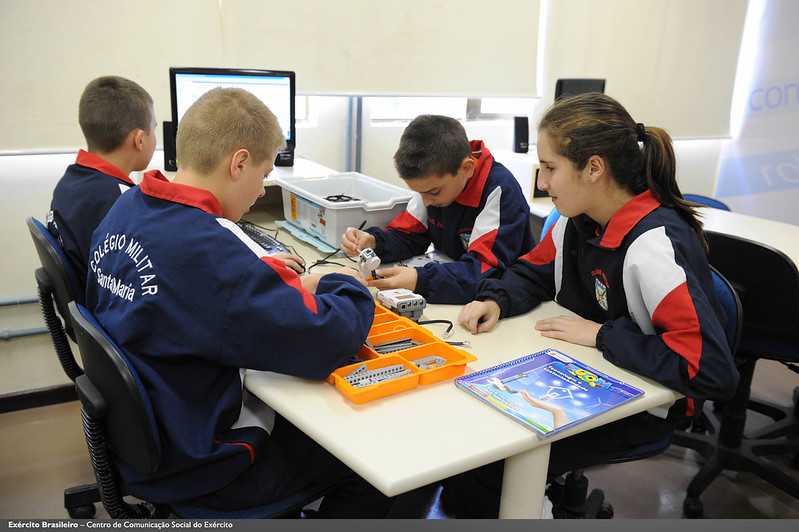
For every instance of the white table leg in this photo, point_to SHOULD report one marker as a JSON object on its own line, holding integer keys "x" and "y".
{"x": 523, "y": 484}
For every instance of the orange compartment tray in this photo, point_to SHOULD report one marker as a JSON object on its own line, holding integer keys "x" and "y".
{"x": 389, "y": 327}
{"x": 413, "y": 332}
{"x": 454, "y": 364}
{"x": 371, "y": 392}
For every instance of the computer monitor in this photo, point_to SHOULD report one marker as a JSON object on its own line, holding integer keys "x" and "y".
{"x": 570, "y": 87}
{"x": 276, "y": 88}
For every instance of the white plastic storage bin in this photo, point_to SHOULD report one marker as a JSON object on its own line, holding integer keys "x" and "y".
{"x": 326, "y": 206}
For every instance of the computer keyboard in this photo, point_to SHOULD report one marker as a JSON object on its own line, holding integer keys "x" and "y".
{"x": 270, "y": 244}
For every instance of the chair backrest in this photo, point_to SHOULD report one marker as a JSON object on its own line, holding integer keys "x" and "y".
{"x": 130, "y": 423}
{"x": 550, "y": 220}
{"x": 731, "y": 304}
{"x": 707, "y": 201}
{"x": 766, "y": 280}
{"x": 66, "y": 286}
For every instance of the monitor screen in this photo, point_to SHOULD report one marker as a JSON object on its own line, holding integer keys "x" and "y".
{"x": 572, "y": 87}
{"x": 273, "y": 87}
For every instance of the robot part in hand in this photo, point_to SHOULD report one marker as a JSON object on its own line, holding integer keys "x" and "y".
{"x": 403, "y": 302}
{"x": 368, "y": 262}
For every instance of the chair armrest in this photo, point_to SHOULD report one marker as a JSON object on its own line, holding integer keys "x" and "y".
{"x": 93, "y": 403}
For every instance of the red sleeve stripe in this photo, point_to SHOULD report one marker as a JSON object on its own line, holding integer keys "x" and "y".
{"x": 290, "y": 277}
{"x": 482, "y": 248}
{"x": 543, "y": 253}
{"x": 248, "y": 447}
{"x": 286, "y": 274}
{"x": 486, "y": 229}
{"x": 406, "y": 223}
{"x": 413, "y": 219}
{"x": 676, "y": 315}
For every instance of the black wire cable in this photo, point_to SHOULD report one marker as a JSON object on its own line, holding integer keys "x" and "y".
{"x": 427, "y": 322}
{"x": 324, "y": 260}
{"x": 340, "y": 198}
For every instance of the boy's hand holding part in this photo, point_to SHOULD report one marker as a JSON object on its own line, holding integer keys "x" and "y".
{"x": 395, "y": 277}
{"x": 387, "y": 278}
{"x": 353, "y": 241}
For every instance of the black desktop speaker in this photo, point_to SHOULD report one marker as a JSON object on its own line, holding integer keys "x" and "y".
{"x": 170, "y": 159}
{"x": 521, "y": 134}
{"x": 285, "y": 157}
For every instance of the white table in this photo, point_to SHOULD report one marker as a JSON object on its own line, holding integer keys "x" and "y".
{"x": 302, "y": 168}
{"x": 409, "y": 440}
{"x": 779, "y": 235}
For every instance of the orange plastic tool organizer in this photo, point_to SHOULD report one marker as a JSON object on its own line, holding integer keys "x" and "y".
{"x": 429, "y": 360}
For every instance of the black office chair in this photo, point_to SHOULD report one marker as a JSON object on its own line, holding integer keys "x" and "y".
{"x": 707, "y": 201}
{"x": 58, "y": 284}
{"x": 119, "y": 425}
{"x": 570, "y": 496}
{"x": 767, "y": 282}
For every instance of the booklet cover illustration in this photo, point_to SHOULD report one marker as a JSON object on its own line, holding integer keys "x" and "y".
{"x": 548, "y": 391}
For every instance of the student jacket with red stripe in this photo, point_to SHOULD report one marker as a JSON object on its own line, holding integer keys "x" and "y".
{"x": 647, "y": 280}
{"x": 190, "y": 300}
{"x": 486, "y": 228}
{"x": 81, "y": 198}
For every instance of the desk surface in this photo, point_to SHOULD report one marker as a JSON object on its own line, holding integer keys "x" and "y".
{"x": 779, "y": 235}
{"x": 406, "y": 441}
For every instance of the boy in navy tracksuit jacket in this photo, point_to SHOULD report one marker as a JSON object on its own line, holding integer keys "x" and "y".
{"x": 118, "y": 121}
{"x": 468, "y": 205}
{"x": 191, "y": 299}
{"x": 628, "y": 258}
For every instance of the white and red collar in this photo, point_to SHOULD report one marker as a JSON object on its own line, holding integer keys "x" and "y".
{"x": 155, "y": 185}
{"x": 95, "y": 162}
{"x": 471, "y": 195}
{"x": 623, "y": 221}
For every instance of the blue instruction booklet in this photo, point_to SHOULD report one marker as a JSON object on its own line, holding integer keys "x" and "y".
{"x": 548, "y": 391}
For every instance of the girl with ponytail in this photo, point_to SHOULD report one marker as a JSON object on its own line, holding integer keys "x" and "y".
{"x": 628, "y": 257}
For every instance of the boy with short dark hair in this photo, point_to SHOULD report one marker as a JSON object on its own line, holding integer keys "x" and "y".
{"x": 190, "y": 299}
{"x": 117, "y": 118}
{"x": 468, "y": 205}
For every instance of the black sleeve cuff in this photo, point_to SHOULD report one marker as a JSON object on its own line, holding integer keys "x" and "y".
{"x": 379, "y": 239}
{"x": 486, "y": 291}
{"x": 600, "y": 337}
{"x": 421, "y": 282}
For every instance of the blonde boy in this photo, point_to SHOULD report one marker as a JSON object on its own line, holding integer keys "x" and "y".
{"x": 203, "y": 300}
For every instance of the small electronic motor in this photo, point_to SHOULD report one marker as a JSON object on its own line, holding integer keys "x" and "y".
{"x": 368, "y": 262}
{"x": 403, "y": 302}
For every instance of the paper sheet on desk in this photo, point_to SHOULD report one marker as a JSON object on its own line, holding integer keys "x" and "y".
{"x": 299, "y": 234}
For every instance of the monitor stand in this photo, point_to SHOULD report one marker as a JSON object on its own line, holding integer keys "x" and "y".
{"x": 170, "y": 162}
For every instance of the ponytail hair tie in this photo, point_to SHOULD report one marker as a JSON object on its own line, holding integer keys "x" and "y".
{"x": 641, "y": 130}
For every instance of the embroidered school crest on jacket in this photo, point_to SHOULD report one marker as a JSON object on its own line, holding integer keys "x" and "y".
{"x": 600, "y": 288}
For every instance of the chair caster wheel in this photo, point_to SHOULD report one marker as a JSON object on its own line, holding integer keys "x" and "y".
{"x": 692, "y": 508}
{"x": 606, "y": 512}
{"x": 82, "y": 512}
